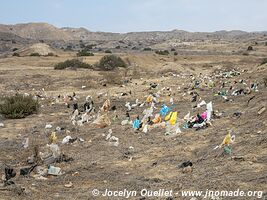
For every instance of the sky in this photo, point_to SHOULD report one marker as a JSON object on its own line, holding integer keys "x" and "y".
{"x": 140, "y": 15}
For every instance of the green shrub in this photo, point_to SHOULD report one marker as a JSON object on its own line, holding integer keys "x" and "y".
{"x": 51, "y": 54}
{"x": 73, "y": 64}
{"x": 18, "y": 106}
{"x": 108, "y": 51}
{"x": 16, "y": 54}
{"x": 160, "y": 52}
{"x": 147, "y": 49}
{"x": 84, "y": 53}
{"x": 15, "y": 49}
{"x": 175, "y": 53}
{"x": 117, "y": 47}
{"x": 173, "y": 49}
{"x": 250, "y": 48}
{"x": 35, "y": 54}
{"x": 110, "y": 62}
{"x": 264, "y": 61}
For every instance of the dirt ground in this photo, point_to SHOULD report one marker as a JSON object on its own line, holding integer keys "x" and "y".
{"x": 153, "y": 161}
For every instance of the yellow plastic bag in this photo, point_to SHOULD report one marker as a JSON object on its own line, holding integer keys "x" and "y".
{"x": 227, "y": 139}
{"x": 168, "y": 117}
{"x": 173, "y": 118}
{"x": 149, "y": 99}
{"x": 53, "y": 137}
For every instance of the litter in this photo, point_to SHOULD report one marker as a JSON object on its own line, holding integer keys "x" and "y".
{"x": 25, "y": 143}
{"x": 186, "y": 164}
{"x": 2, "y": 125}
{"x": 261, "y": 110}
{"x": 102, "y": 121}
{"x": 48, "y": 126}
{"x": 56, "y": 171}
{"x": 68, "y": 139}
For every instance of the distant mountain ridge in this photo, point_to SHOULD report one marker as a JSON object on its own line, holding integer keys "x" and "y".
{"x": 45, "y": 31}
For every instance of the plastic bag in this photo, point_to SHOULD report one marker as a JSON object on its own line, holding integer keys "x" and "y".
{"x": 173, "y": 118}
{"x": 102, "y": 121}
{"x": 209, "y": 111}
{"x": 164, "y": 110}
{"x": 136, "y": 123}
{"x": 168, "y": 117}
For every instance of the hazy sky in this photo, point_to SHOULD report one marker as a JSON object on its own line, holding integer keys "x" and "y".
{"x": 140, "y": 15}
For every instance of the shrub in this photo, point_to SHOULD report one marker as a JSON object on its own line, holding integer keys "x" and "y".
{"x": 160, "y": 52}
{"x": 18, "y": 106}
{"x": 117, "y": 47}
{"x": 264, "y": 61}
{"x": 108, "y": 51}
{"x": 110, "y": 62}
{"x": 265, "y": 43}
{"x": 84, "y": 53}
{"x": 16, "y": 54}
{"x": 173, "y": 49}
{"x": 50, "y": 54}
{"x": 147, "y": 49}
{"x": 14, "y": 49}
{"x": 35, "y": 54}
{"x": 175, "y": 53}
{"x": 74, "y": 64}
{"x": 250, "y": 48}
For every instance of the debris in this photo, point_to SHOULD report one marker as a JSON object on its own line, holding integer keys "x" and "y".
{"x": 48, "y": 126}
{"x": 25, "y": 143}
{"x": 56, "y": 171}
{"x": 27, "y": 170}
{"x": 2, "y": 125}
{"x": 68, "y": 185}
{"x": 68, "y": 139}
{"x": 186, "y": 164}
{"x": 102, "y": 121}
{"x": 261, "y": 110}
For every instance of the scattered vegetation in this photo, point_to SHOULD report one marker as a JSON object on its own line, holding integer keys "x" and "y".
{"x": 110, "y": 62}
{"x": 264, "y": 61}
{"x": 175, "y": 53}
{"x": 118, "y": 47}
{"x": 35, "y": 54}
{"x": 84, "y": 53}
{"x": 173, "y": 49}
{"x": 108, "y": 51}
{"x": 147, "y": 49}
{"x": 18, "y": 106}
{"x": 16, "y": 54}
{"x": 162, "y": 52}
{"x": 72, "y": 64}
{"x": 250, "y": 48}
{"x": 14, "y": 49}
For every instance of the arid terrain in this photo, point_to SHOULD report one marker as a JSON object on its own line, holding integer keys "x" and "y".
{"x": 141, "y": 160}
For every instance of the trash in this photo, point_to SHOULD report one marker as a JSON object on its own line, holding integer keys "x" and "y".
{"x": 55, "y": 150}
{"x": 109, "y": 134}
{"x": 68, "y": 185}
{"x": 56, "y": 171}
{"x": 209, "y": 111}
{"x": 237, "y": 114}
{"x": 114, "y": 141}
{"x": 27, "y": 170}
{"x": 136, "y": 123}
{"x": 164, "y": 110}
{"x": 2, "y": 125}
{"x": 25, "y": 143}
{"x": 227, "y": 150}
{"x": 106, "y": 106}
{"x": 68, "y": 139}
{"x": 48, "y": 126}
{"x": 202, "y": 103}
{"x": 261, "y": 110}
{"x": 173, "y": 118}
{"x": 102, "y": 121}
{"x": 186, "y": 164}
{"x": 9, "y": 173}
{"x": 53, "y": 138}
